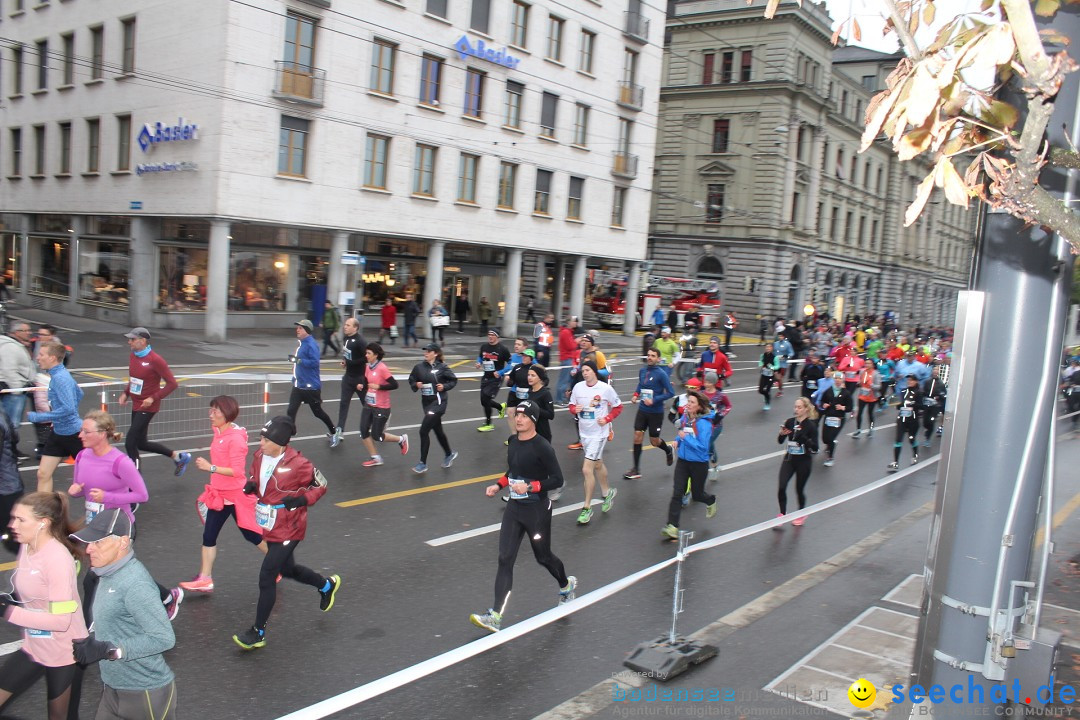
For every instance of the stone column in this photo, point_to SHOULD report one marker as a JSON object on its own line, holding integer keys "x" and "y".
{"x": 560, "y": 290}
{"x": 141, "y": 288}
{"x": 633, "y": 281}
{"x": 217, "y": 282}
{"x": 789, "y": 172}
{"x": 25, "y": 264}
{"x": 335, "y": 277}
{"x": 577, "y": 288}
{"x": 512, "y": 293}
{"x": 432, "y": 282}
{"x": 540, "y": 283}
{"x": 817, "y": 166}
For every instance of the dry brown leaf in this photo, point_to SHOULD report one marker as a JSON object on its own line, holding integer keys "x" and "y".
{"x": 922, "y": 194}
{"x": 995, "y": 47}
{"x": 1047, "y": 8}
{"x": 956, "y": 190}
{"x": 876, "y": 113}
{"x": 856, "y": 30}
{"x": 770, "y": 9}
{"x": 971, "y": 175}
{"x": 913, "y": 144}
{"x": 913, "y": 23}
{"x": 928, "y": 13}
{"x": 836, "y": 34}
{"x": 925, "y": 96}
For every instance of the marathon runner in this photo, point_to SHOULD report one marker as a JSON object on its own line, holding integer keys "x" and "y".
{"x": 596, "y": 405}
{"x": 146, "y": 371}
{"x": 653, "y": 390}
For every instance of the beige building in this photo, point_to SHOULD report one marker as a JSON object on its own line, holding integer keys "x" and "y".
{"x": 759, "y": 183}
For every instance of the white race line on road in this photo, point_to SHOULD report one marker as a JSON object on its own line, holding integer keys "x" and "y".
{"x": 8, "y": 648}
{"x": 476, "y": 532}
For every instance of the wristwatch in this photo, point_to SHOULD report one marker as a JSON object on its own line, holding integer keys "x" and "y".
{"x": 114, "y": 653}
{"x": 213, "y": 469}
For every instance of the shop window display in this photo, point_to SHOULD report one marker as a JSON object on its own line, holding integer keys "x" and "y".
{"x": 104, "y": 270}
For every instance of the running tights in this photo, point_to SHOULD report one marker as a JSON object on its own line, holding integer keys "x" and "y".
{"x": 279, "y": 561}
{"x": 432, "y": 422}
{"x": 696, "y": 472}
{"x": 518, "y": 519}
{"x": 910, "y": 428}
{"x": 800, "y": 467}
{"x": 870, "y": 408}
{"x": 829, "y": 435}
{"x": 765, "y": 388}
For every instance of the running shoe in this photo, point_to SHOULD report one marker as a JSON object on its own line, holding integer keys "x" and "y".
{"x": 926, "y": 442}
{"x": 332, "y": 438}
{"x": 420, "y": 468}
{"x": 490, "y": 620}
{"x": 915, "y": 459}
{"x": 780, "y": 393}
{"x": 199, "y": 583}
{"x": 505, "y": 497}
{"x": 632, "y": 474}
{"x": 403, "y": 443}
{"x": 506, "y": 442}
{"x": 710, "y": 511}
{"x": 251, "y": 638}
{"x": 574, "y": 446}
{"x": 502, "y": 411}
{"x": 373, "y": 462}
{"x": 326, "y": 597}
{"x": 555, "y": 494}
{"x": 584, "y": 516}
{"x": 941, "y": 431}
{"x": 856, "y": 434}
{"x": 765, "y": 406}
{"x": 609, "y": 500}
{"x": 566, "y": 594}
{"x": 779, "y": 527}
{"x": 176, "y": 596}
{"x": 181, "y": 463}
{"x": 449, "y": 459}
{"x": 670, "y": 531}
{"x": 797, "y": 522}
{"x": 871, "y": 433}
{"x": 339, "y": 435}
{"x": 893, "y": 467}
{"x": 670, "y": 455}
{"x": 485, "y": 428}
{"x": 828, "y": 463}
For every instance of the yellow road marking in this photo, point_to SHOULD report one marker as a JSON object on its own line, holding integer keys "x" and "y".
{"x": 1059, "y": 517}
{"x": 7, "y": 566}
{"x": 97, "y": 375}
{"x": 418, "y": 491}
{"x": 459, "y": 363}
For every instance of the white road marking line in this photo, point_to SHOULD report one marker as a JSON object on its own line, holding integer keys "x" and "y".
{"x": 476, "y": 532}
{"x": 8, "y": 648}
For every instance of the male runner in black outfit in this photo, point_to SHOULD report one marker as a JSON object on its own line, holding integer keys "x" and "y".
{"x": 533, "y": 470}
{"x": 353, "y": 360}
{"x": 492, "y": 358}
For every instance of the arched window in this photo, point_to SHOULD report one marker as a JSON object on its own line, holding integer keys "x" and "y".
{"x": 796, "y": 273}
{"x": 710, "y": 269}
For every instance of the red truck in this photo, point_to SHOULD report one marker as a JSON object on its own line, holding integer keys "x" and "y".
{"x": 684, "y": 294}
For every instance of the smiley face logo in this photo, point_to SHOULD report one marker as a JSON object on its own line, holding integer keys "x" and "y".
{"x": 862, "y": 693}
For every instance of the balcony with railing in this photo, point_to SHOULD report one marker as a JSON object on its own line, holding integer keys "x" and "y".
{"x": 299, "y": 82}
{"x": 624, "y": 165}
{"x": 630, "y": 95}
{"x": 636, "y": 26}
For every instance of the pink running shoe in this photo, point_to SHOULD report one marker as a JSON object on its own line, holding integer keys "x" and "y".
{"x": 797, "y": 522}
{"x": 373, "y": 462}
{"x": 199, "y": 583}
{"x": 173, "y": 608}
{"x": 403, "y": 443}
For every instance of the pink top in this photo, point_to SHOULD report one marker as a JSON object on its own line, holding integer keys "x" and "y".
{"x": 229, "y": 449}
{"x": 47, "y": 576}
{"x": 377, "y": 376}
{"x": 116, "y": 474}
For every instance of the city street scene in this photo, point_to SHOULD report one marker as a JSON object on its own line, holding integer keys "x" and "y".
{"x": 539, "y": 359}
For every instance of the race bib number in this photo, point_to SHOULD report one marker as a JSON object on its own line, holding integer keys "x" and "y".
{"x": 521, "y": 393}
{"x": 488, "y": 365}
{"x": 92, "y": 509}
{"x": 587, "y": 415}
{"x": 646, "y": 394}
{"x": 427, "y": 389}
{"x": 811, "y": 384}
{"x": 832, "y": 422}
{"x": 515, "y": 495}
{"x": 346, "y": 355}
{"x": 766, "y": 372}
{"x": 851, "y": 376}
{"x": 795, "y": 448}
{"x": 929, "y": 401}
{"x": 369, "y": 398}
{"x": 265, "y": 516}
{"x": 866, "y": 392}
{"x": 906, "y": 412}
{"x": 135, "y": 386}
{"x": 38, "y": 633}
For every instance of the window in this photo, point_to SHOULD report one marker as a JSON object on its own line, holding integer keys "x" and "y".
{"x": 65, "y": 148}
{"x": 507, "y": 181}
{"x": 375, "y": 162}
{"x": 16, "y": 70}
{"x": 796, "y": 202}
{"x": 541, "y": 203}
{"x": 97, "y": 52}
{"x": 481, "y": 15}
{"x": 575, "y": 198}
{"x": 424, "y": 171}
{"x": 870, "y": 82}
{"x": 430, "y": 76}
{"x": 843, "y": 102}
{"x": 547, "y": 115}
{"x": 519, "y": 24}
{"x": 625, "y": 128}
{"x": 467, "y": 173}
{"x": 39, "y": 150}
{"x": 847, "y": 227}
{"x": 854, "y": 167}
{"x": 618, "y": 204}
{"x": 708, "y": 68}
{"x": 515, "y": 94}
{"x": 585, "y": 54}
{"x": 727, "y": 67}
{"x": 555, "y": 34}
{"x": 292, "y": 146}
{"x": 840, "y": 163}
{"x": 800, "y": 143}
{"x": 42, "y": 47}
{"x": 436, "y": 8}
{"x": 720, "y": 135}
{"x": 127, "y": 58}
{"x": 474, "y": 93}
{"x": 862, "y": 231}
{"x": 833, "y": 221}
{"x": 714, "y": 204}
{"x": 123, "y": 142}
{"x": 382, "y": 67}
{"x": 744, "y": 68}
{"x": 299, "y": 51}
{"x": 93, "y": 145}
{"x": 581, "y": 125}
{"x": 818, "y": 217}
{"x": 16, "y": 152}
{"x": 69, "y": 58}
{"x": 630, "y": 63}
{"x": 878, "y": 187}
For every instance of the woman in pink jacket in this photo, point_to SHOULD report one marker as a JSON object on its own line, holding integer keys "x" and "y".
{"x": 49, "y": 610}
{"x": 224, "y": 496}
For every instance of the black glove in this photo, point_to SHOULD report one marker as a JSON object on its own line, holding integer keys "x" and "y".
{"x": 250, "y": 487}
{"x": 5, "y": 600}
{"x": 90, "y": 650}
{"x": 295, "y": 501}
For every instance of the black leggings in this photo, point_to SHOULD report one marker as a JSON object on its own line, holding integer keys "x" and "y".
{"x": 215, "y": 520}
{"x": 432, "y": 422}
{"x": 489, "y": 392}
{"x": 279, "y": 561}
{"x": 348, "y": 390}
{"x": 910, "y": 428}
{"x": 929, "y": 420}
{"x": 829, "y": 435}
{"x": 62, "y": 684}
{"x": 765, "y": 387}
{"x": 869, "y": 407}
{"x": 518, "y": 520}
{"x": 800, "y": 467}
{"x": 309, "y": 397}
{"x": 136, "y": 437}
{"x": 696, "y": 472}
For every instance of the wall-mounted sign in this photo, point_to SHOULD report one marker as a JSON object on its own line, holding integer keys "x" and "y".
{"x": 482, "y": 51}
{"x": 165, "y": 167}
{"x": 135, "y": 205}
{"x": 162, "y": 133}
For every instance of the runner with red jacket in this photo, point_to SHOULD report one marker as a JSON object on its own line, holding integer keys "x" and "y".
{"x": 146, "y": 371}
{"x": 285, "y": 483}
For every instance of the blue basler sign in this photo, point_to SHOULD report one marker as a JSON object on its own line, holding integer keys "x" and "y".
{"x": 161, "y": 133}
{"x": 482, "y": 51}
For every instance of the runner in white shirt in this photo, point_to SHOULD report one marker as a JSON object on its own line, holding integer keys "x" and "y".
{"x": 596, "y": 405}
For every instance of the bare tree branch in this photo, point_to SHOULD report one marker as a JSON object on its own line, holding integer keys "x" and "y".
{"x": 900, "y": 25}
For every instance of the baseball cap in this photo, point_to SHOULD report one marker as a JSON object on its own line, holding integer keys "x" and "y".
{"x": 531, "y": 353}
{"x": 431, "y": 346}
{"x": 279, "y": 430}
{"x": 138, "y": 332}
{"x": 693, "y": 382}
{"x": 105, "y": 523}
{"x": 306, "y": 324}
{"x": 529, "y": 408}
{"x": 589, "y": 337}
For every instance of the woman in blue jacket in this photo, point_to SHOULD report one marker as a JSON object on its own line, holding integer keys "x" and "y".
{"x": 693, "y": 444}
